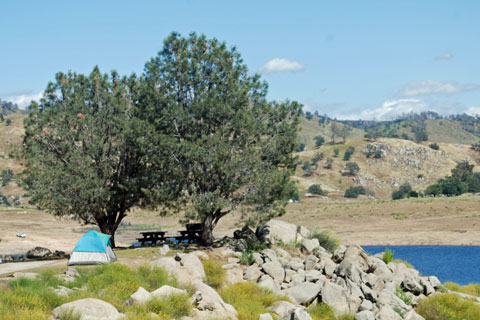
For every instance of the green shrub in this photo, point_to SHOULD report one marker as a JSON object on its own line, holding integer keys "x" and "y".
{"x": 388, "y": 256}
{"x": 434, "y": 146}
{"x": 352, "y": 168}
{"x": 70, "y": 314}
{"x": 472, "y": 289}
{"x": 336, "y": 151}
{"x": 173, "y": 306}
{"x": 448, "y": 307}
{"x": 326, "y": 239}
{"x": 316, "y": 189}
{"x": 214, "y": 271}
{"x": 321, "y": 311}
{"x": 249, "y": 299}
{"x": 354, "y": 192}
{"x": 247, "y": 257}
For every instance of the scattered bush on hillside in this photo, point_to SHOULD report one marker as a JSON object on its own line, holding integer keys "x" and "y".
{"x": 462, "y": 180}
{"x": 317, "y": 190}
{"x": 329, "y": 163}
{"x": 352, "y": 168}
{"x": 476, "y": 147}
{"x": 317, "y": 157}
{"x": 374, "y": 151}
{"x": 319, "y": 141}
{"x": 448, "y": 306}
{"x": 348, "y": 153}
{"x": 6, "y": 176}
{"x": 326, "y": 239}
{"x": 308, "y": 115}
{"x": 307, "y": 168}
{"x": 354, "y": 192}
{"x": 8, "y": 122}
{"x": 388, "y": 256}
{"x": 4, "y": 200}
{"x": 300, "y": 147}
{"x": 336, "y": 151}
{"x": 405, "y": 136}
{"x": 434, "y": 146}
{"x": 405, "y": 191}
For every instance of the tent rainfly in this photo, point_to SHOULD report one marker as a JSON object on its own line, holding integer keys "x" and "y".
{"x": 93, "y": 248}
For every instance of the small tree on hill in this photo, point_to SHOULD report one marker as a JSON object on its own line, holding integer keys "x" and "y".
{"x": 87, "y": 155}
{"x": 345, "y": 131}
{"x": 234, "y": 147}
{"x": 319, "y": 141}
{"x": 329, "y": 163}
{"x": 316, "y": 189}
{"x": 352, "y": 168}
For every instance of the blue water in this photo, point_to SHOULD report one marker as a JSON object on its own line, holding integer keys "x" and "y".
{"x": 460, "y": 264}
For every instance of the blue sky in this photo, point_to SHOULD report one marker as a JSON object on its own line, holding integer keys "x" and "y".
{"x": 348, "y": 59}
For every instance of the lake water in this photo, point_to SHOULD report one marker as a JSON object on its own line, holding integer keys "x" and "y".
{"x": 460, "y": 264}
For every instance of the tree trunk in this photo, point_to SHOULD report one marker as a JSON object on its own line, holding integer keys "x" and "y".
{"x": 207, "y": 231}
{"x": 107, "y": 228}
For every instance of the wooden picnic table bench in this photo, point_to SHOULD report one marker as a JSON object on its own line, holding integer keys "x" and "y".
{"x": 152, "y": 237}
{"x": 192, "y": 234}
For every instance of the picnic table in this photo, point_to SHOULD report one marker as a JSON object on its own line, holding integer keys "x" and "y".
{"x": 152, "y": 237}
{"x": 192, "y": 233}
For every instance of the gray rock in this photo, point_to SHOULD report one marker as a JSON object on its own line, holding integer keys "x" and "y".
{"x": 303, "y": 293}
{"x": 329, "y": 267}
{"x": 266, "y": 281}
{"x": 283, "y": 309}
{"x": 283, "y": 253}
{"x": 365, "y": 305}
{"x": 434, "y": 282}
{"x": 163, "y": 250}
{"x": 210, "y": 304}
{"x": 428, "y": 288}
{"x": 412, "y": 315}
{"x": 257, "y": 257}
{"x": 25, "y": 275}
{"x": 386, "y": 313}
{"x": 364, "y": 315}
{"x": 296, "y": 264}
{"x": 311, "y": 262}
{"x": 298, "y": 278}
{"x": 411, "y": 282}
{"x": 309, "y": 246}
{"x": 368, "y": 293}
{"x": 89, "y": 309}
{"x": 283, "y": 231}
{"x": 252, "y": 273}
{"x": 300, "y": 314}
{"x": 314, "y": 276}
{"x": 336, "y": 297}
{"x": 140, "y": 297}
{"x": 167, "y": 290}
{"x": 275, "y": 270}
{"x": 234, "y": 275}
{"x": 63, "y": 291}
{"x": 38, "y": 252}
{"x": 338, "y": 254}
{"x": 269, "y": 255}
{"x": 288, "y": 275}
{"x": 265, "y": 316}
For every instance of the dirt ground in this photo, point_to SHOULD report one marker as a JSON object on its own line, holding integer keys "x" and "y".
{"x": 434, "y": 221}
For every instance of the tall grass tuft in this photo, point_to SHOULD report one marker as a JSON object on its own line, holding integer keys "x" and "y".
{"x": 326, "y": 239}
{"x": 322, "y": 311}
{"x": 215, "y": 273}
{"x": 448, "y": 306}
{"x": 388, "y": 256}
{"x": 249, "y": 299}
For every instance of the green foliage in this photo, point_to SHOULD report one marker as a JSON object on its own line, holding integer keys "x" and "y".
{"x": 352, "y": 168}
{"x": 328, "y": 164}
{"x": 319, "y": 141}
{"x": 316, "y": 189}
{"x": 336, "y": 151}
{"x": 403, "y": 192}
{"x": 8, "y": 122}
{"x": 308, "y": 115}
{"x": 326, "y": 239}
{"x": 6, "y": 176}
{"x": 434, "y": 146}
{"x": 317, "y": 157}
{"x": 462, "y": 180}
{"x": 300, "y": 147}
{"x": 247, "y": 257}
{"x": 87, "y": 154}
{"x": 233, "y": 148}
{"x": 215, "y": 273}
{"x": 373, "y": 151}
{"x": 388, "y": 256}
{"x": 347, "y": 156}
{"x": 476, "y": 146}
{"x": 249, "y": 299}
{"x": 354, "y": 192}
{"x": 307, "y": 168}
{"x": 70, "y": 314}
{"x": 448, "y": 306}
{"x": 472, "y": 289}
{"x": 403, "y": 296}
{"x": 174, "y": 306}
{"x": 321, "y": 311}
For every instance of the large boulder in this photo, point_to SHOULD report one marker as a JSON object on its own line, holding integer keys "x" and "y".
{"x": 38, "y": 253}
{"x": 300, "y": 314}
{"x": 167, "y": 290}
{"x": 140, "y": 297}
{"x": 265, "y": 316}
{"x": 284, "y": 231}
{"x": 336, "y": 297}
{"x": 309, "y": 246}
{"x": 267, "y": 282}
{"x": 233, "y": 275}
{"x": 283, "y": 309}
{"x": 275, "y": 270}
{"x": 303, "y": 293}
{"x": 187, "y": 268}
{"x": 209, "y": 304}
{"x": 252, "y": 273}
{"x": 386, "y": 313}
{"x": 89, "y": 309}
{"x": 364, "y": 315}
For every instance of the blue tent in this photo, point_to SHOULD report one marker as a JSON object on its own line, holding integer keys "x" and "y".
{"x": 93, "y": 248}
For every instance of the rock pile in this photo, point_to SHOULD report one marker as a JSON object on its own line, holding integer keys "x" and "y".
{"x": 348, "y": 280}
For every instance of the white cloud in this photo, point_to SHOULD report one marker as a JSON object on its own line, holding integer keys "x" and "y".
{"x": 281, "y": 65}
{"x": 23, "y": 99}
{"x": 388, "y": 111}
{"x": 445, "y": 56}
{"x": 473, "y": 111}
{"x": 430, "y": 87}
